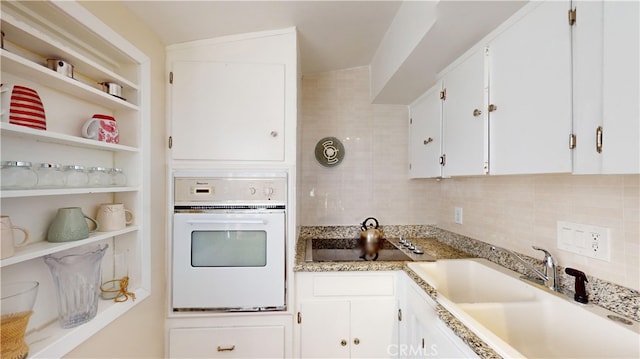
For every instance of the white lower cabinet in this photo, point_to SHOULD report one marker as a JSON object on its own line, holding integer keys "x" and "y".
{"x": 422, "y": 333}
{"x": 232, "y": 342}
{"x": 348, "y": 314}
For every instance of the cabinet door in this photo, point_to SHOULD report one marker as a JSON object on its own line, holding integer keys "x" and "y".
{"x": 587, "y": 86}
{"x": 227, "y": 111}
{"x": 374, "y": 327}
{"x": 464, "y": 119}
{"x": 621, "y": 117}
{"x": 425, "y": 139}
{"x": 430, "y": 337}
{"x": 605, "y": 90}
{"x": 324, "y": 330}
{"x": 237, "y": 342}
{"x": 530, "y": 85}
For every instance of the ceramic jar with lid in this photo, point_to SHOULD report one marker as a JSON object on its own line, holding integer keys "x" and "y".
{"x": 98, "y": 177}
{"x": 76, "y": 176}
{"x": 18, "y": 175}
{"x": 51, "y": 175}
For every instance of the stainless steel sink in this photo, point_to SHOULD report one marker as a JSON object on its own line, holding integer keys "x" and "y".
{"x": 348, "y": 250}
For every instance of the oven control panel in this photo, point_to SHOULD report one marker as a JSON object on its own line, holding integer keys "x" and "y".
{"x": 222, "y": 191}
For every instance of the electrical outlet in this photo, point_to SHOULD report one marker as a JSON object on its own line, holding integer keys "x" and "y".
{"x": 586, "y": 240}
{"x": 457, "y": 215}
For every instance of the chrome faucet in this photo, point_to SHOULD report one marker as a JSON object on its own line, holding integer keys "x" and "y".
{"x": 550, "y": 274}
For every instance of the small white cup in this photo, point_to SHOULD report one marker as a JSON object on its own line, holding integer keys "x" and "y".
{"x": 113, "y": 217}
{"x": 7, "y": 240}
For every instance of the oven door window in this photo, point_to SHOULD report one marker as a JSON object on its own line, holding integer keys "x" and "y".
{"x": 228, "y": 248}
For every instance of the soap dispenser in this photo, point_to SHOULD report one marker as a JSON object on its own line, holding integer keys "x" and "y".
{"x": 581, "y": 293}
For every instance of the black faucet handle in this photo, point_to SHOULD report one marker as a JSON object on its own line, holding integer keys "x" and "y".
{"x": 581, "y": 292}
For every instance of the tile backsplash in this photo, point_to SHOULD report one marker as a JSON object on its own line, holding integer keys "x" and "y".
{"x": 514, "y": 212}
{"x": 372, "y": 180}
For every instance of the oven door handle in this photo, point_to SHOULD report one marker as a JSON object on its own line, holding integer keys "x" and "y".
{"x": 226, "y": 221}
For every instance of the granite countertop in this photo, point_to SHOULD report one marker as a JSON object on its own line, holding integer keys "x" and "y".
{"x": 431, "y": 246}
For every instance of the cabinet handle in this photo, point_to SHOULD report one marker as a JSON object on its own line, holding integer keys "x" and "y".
{"x": 399, "y": 315}
{"x": 476, "y": 112}
{"x": 492, "y": 108}
{"x": 428, "y": 141}
{"x": 443, "y": 160}
{"x": 343, "y": 343}
{"x": 226, "y": 349}
{"x": 356, "y": 341}
{"x": 599, "y": 139}
{"x": 274, "y": 133}
{"x": 422, "y": 343}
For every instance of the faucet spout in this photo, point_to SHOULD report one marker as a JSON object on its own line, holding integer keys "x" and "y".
{"x": 550, "y": 274}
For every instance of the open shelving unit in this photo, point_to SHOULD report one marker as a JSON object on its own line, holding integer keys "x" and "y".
{"x": 34, "y": 32}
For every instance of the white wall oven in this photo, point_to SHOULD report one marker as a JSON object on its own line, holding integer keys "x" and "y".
{"x": 228, "y": 247}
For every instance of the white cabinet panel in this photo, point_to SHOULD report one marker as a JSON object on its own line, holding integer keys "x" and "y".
{"x": 425, "y": 135}
{"x": 621, "y": 117}
{"x": 227, "y": 111}
{"x": 234, "y": 342}
{"x": 374, "y": 327}
{"x": 426, "y": 335}
{"x": 464, "y": 119}
{"x": 605, "y": 87}
{"x": 324, "y": 329}
{"x": 351, "y": 320}
{"x": 530, "y": 85}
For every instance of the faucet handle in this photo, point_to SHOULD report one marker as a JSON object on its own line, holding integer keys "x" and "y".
{"x": 547, "y": 255}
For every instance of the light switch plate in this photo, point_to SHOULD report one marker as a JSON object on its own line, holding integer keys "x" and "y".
{"x": 589, "y": 241}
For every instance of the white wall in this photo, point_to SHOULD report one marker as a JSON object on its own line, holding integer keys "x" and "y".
{"x": 140, "y": 332}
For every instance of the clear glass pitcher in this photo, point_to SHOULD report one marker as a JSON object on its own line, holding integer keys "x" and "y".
{"x": 76, "y": 274}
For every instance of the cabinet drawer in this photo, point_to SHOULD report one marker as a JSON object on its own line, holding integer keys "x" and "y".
{"x": 236, "y": 342}
{"x": 353, "y": 284}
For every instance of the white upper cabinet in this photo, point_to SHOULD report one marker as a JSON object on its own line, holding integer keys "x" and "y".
{"x": 228, "y": 111}
{"x": 233, "y": 99}
{"x": 530, "y": 93}
{"x": 605, "y": 88}
{"x": 464, "y": 118}
{"x": 425, "y": 135}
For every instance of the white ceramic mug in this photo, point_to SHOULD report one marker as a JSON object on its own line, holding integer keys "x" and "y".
{"x": 7, "y": 240}
{"x": 102, "y": 128}
{"x": 113, "y": 217}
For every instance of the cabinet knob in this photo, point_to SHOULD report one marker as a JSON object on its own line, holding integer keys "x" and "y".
{"x": 356, "y": 341}
{"x": 476, "y": 112}
{"x": 492, "y": 108}
{"x": 274, "y": 133}
{"x": 343, "y": 343}
{"x": 428, "y": 141}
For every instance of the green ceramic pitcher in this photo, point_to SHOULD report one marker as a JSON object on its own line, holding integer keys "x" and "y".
{"x": 70, "y": 224}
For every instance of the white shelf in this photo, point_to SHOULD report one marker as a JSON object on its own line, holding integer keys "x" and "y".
{"x": 35, "y": 31}
{"x": 22, "y": 67}
{"x": 42, "y": 248}
{"x": 63, "y": 191}
{"x": 40, "y": 43}
{"x": 9, "y": 129}
{"x": 52, "y": 341}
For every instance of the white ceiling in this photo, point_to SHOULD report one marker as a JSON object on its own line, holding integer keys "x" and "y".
{"x": 332, "y": 34}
